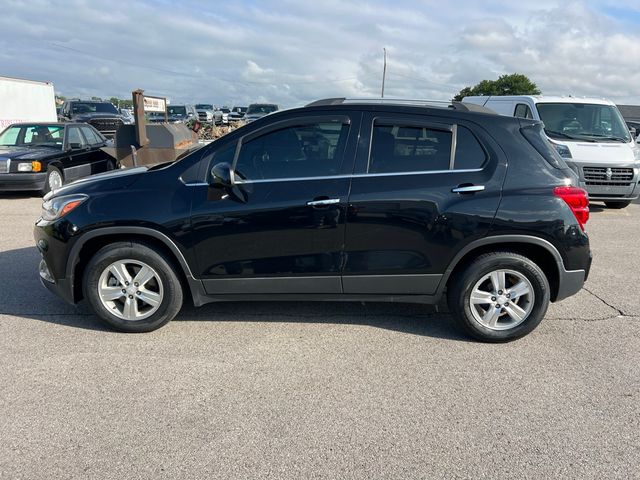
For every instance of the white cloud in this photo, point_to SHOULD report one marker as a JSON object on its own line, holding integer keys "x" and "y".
{"x": 292, "y": 52}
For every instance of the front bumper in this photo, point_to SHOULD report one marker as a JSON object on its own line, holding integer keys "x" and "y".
{"x": 54, "y": 252}
{"x": 609, "y": 182}
{"x": 12, "y": 182}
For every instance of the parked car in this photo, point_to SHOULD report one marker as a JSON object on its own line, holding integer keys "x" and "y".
{"x": 339, "y": 200}
{"x": 205, "y": 112}
{"x": 591, "y": 136}
{"x": 127, "y": 116}
{"x": 181, "y": 113}
{"x": 237, "y": 114}
{"x": 259, "y": 110}
{"x": 224, "y": 115}
{"x": 45, "y": 156}
{"x": 103, "y": 116}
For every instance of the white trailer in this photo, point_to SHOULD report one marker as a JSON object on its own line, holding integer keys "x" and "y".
{"x": 26, "y": 101}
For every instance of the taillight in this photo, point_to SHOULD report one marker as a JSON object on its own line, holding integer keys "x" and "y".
{"x": 578, "y": 201}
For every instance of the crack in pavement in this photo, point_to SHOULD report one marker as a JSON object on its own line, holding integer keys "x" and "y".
{"x": 613, "y": 307}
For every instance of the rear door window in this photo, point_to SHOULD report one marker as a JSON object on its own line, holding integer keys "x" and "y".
{"x": 400, "y": 148}
{"x": 91, "y": 136}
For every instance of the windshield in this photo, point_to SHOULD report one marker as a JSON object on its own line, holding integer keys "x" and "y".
{"x": 262, "y": 108}
{"x": 177, "y": 110}
{"x": 33, "y": 135}
{"x": 583, "y": 121}
{"x": 204, "y": 106}
{"x": 93, "y": 107}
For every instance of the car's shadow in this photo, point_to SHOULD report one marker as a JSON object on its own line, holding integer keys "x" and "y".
{"x": 25, "y": 297}
{"x": 19, "y": 195}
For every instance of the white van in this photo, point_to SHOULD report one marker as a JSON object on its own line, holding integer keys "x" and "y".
{"x": 590, "y": 134}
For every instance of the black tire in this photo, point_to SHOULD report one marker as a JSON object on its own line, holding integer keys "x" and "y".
{"x": 47, "y": 187}
{"x": 171, "y": 298}
{"x": 618, "y": 204}
{"x": 463, "y": 282}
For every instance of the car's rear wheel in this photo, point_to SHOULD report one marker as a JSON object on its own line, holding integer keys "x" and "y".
{"x": 132, "y": 287}
{"x": 618, "y": 204}
{"x": 499, "y": 296}
{"x": 54, "y": 180}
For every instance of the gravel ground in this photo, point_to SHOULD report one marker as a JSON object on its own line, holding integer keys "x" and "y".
{"x": 329, "y": 390}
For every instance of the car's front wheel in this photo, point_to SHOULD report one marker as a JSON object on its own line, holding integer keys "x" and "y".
{"x": 132, "y": 287}
{"x": 53, "y": 181}
{"x": 499, "y": 296}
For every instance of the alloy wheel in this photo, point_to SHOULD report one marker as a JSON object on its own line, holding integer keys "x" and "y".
{"x": 130, "y": 289}
{"x": 502, "y": 299}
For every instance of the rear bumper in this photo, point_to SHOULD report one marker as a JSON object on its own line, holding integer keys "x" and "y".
{"x": 22, "y": 181}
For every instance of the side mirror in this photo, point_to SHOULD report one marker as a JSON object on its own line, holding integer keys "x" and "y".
{"x": 633, "y": 131}
{"x": 221, "y": 175}
{"x": 75, "y": 146}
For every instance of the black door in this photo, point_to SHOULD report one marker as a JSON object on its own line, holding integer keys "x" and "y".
{"x": 99, "y": 160}
{"x": 414, "y": 203}
{"x": 78, "y": 161}
{"x": 281, "y": 228}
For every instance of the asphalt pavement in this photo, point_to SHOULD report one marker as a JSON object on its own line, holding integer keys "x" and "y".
{"x": 320, "y": 390}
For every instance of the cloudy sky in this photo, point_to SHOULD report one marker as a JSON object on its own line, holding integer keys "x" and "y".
{"x": 294, "y": 51}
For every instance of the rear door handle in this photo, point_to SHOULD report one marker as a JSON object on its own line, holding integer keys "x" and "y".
{"x": 322, "y": 202}
{"x": 468, "y": 188}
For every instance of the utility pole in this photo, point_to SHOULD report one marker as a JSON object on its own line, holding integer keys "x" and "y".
{"x": 384, "y": 70}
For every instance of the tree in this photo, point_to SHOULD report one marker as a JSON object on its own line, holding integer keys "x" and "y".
{"x": 514, "y": 84}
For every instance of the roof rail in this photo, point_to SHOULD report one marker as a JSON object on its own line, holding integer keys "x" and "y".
{"x": 458, "y": 106}
{"x": 326, "y": 101}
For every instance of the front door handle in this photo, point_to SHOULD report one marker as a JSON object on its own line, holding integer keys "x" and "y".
{"x": 468, "y": 189}
{"x": 322, "y": 202}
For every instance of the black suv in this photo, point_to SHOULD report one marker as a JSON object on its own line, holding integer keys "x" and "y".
{"x": 103, "y": 116}
{"x": 339, "y": 200}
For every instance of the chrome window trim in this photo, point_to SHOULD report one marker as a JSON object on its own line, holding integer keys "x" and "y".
{"x": 355, "y": 175}
{"x": 454, "y": 144}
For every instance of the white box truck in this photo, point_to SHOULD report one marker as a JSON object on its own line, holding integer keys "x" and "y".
{"x": 591, "y": 136}
{"x": 26, "y": 101}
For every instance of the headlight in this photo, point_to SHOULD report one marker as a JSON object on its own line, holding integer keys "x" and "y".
{"x": 562, "y": 150}
{"x": 58, "y": 207}
{"x": 29, "y": 167}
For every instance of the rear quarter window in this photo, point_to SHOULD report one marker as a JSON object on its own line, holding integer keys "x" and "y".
{"x": 537, "y": 138}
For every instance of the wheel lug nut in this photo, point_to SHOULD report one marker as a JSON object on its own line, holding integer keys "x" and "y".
{"x": 136, "y": 284}
{"x": 126, "y": 283}
{"x": 124, "y": 291}
{"x": 493, "y": 299}
{"x": 508, "y": 295}
{"x": 497, "y": 305}
{"x": 499, "y": 292}
{"x": 506, "y": 304}
{"x": 138, "y": 292}
{"x": 130, "y": 296}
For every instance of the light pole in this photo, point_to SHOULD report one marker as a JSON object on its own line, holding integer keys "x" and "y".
{"x": 384, "y": 70}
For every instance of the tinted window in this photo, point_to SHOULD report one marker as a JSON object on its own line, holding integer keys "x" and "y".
{"x": 523, "y": 111}
{"x": 92, "y": 107}
{"x": 74, "y": 136}
{"x": 91, "y": 136}
{"x": 538, "y": 140}
{"x": 469, "y": 152}
{"x": 310, "y": 150}
{"x": 398, "y": 148}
